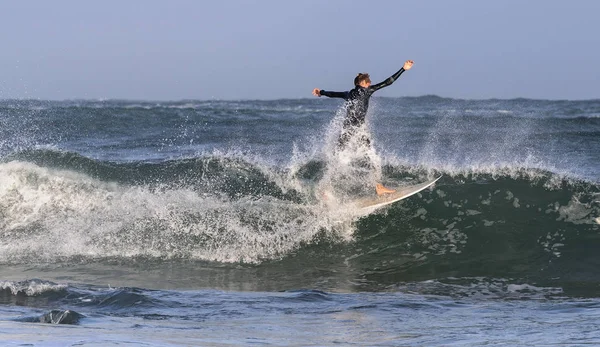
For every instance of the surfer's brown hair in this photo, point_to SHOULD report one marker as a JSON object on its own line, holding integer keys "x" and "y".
{"x": 361, "y": 77}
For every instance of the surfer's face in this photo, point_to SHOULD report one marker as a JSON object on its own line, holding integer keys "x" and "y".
{"x": 365, "y": 84}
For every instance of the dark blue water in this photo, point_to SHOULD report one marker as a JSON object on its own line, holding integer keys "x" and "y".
{"x": 206, "y": 223}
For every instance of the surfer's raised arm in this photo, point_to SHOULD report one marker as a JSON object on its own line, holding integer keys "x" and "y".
{"x": 407, "y": 65}
{"x": 320, "y": 92}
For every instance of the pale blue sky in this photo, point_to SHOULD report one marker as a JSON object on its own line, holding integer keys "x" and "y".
{"x": 270, "y": 49}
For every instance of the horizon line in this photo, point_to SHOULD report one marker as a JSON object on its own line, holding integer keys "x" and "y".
{"x": 284, "y": 99}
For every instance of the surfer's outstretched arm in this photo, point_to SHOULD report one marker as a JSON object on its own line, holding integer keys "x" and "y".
{"x": 407, "y": 65}
{"x": 320, "y": 92}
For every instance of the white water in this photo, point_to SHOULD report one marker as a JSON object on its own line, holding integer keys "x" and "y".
{"x": 52, "y": 214}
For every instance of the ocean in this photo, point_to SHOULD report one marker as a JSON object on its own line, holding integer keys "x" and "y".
{"x": 226, "y": 223}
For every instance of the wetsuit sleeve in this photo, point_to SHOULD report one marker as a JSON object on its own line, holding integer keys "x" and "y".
{"x": 388, "y": 81}
{"x": 343, "y": 95}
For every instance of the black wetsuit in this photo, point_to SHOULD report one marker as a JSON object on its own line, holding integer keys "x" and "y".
{"x": 357, "y": 103}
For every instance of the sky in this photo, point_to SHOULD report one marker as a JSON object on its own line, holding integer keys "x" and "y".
{"x": 273, "y": 49}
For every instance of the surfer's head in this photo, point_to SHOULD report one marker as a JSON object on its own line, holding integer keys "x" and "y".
{"x": 363, "y": 80}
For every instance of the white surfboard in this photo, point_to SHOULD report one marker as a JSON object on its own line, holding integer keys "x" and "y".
{"x": 371, "y": 204}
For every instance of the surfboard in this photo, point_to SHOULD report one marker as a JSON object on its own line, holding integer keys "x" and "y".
{"x": 371, "y": 204}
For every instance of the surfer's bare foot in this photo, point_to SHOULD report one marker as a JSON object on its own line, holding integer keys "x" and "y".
{"x": 381, "y": 190}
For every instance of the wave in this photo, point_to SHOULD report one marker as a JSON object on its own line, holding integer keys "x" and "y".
{"x": 30, "y": 288}
{"x": 212, "y": 209}
{"x": 55, "y": 317}
{"x": 46, "y": 295}
{"x": 57, "y": 206}
{"x": 522, "y": 224}
{"x": 162, "y": 304}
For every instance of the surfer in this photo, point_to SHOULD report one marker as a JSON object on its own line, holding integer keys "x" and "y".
{"x": 357, "y": 104}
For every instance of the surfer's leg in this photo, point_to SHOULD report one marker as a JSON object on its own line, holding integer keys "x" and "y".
{"x": 381, "y": 190}
{"x": 361, "y": 141}
{"x": 365, "y": 141}
{"x": 368, "y": 161}
{"x": 344, "y": 138}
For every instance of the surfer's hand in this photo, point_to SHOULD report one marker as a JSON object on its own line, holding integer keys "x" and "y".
{"x": 408, "y": 64}
{"x": 316, "y": 92}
